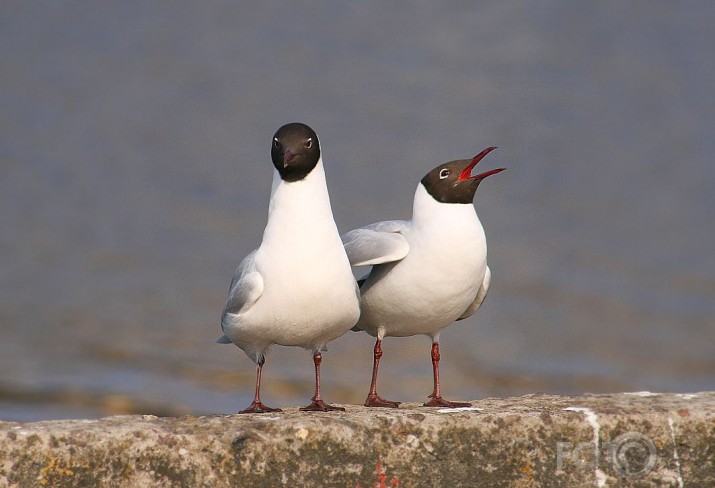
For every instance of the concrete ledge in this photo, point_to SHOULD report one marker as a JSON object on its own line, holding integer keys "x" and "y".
{"x": 640, "y": 439}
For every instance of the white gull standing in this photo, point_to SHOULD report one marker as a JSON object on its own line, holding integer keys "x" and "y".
{"x": 297, "y": 288}
{"x": 426, "y": 272}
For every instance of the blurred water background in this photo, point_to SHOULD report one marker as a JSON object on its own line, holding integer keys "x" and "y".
{"x": 134, "y": 146}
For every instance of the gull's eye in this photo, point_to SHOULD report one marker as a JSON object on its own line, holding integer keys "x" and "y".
{"x": 276, "y": 143}
{"x": 443, "y": 174}
{"x": 309, "y": 143}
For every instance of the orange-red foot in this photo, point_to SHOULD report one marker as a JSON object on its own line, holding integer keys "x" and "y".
{"x": 258, "y": 407}
{"x": 441, "y": 402}
{"x": 320, "y": 406}
{"x": 377, "y": 401}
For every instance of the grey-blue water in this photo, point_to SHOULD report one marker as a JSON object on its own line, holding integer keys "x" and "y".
{"x": 134, "y": 147}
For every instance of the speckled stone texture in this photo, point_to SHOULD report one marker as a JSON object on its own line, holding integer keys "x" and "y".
{"x": 642, "y": 439}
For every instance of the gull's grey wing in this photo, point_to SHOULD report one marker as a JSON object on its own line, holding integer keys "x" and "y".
{"x": 400, "y": 226}
{"x": 246, "y": 288}
{"x": 378, "y": 243}
{"x": 481, "y": 294}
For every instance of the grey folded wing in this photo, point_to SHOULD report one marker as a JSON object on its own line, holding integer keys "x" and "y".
{"x": 378, "y": 243}
{"x": 245, "y": 290}
{"x": 481, "y": 295}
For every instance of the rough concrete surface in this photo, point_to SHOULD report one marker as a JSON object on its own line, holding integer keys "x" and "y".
{"x": 627, "y": 439}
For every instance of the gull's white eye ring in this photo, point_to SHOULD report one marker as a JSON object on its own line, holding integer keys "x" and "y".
{"x": 443, "y": 174}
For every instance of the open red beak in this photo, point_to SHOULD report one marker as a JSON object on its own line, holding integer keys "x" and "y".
{"x": 467, "y": 173}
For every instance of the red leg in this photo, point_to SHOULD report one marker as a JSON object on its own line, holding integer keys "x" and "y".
{"x": 257, "y": 406}
{"x": 318, "y": 404}
{"x": 437, "y": 400}
{"x": 373, "y": 399}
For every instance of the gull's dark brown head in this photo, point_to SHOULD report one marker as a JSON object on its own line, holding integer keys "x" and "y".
{"x": 453, "y": 182}
{"x": 295, "y": 151}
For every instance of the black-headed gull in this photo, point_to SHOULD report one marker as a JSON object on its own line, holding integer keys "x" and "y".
{"x": 426, "y": 272}
{"x": 297, "y": 288}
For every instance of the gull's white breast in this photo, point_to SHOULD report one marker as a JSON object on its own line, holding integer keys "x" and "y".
{"x": 438, "y": 279}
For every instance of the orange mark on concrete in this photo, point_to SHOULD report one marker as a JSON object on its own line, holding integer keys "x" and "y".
{"x": 381, "y": 474}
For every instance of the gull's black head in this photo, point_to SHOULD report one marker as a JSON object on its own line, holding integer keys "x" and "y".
{"x": 295, "y": 151}
{"x": 453, "y": 182}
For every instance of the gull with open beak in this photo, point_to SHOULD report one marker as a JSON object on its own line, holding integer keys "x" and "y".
{"x": 427, "y": 272}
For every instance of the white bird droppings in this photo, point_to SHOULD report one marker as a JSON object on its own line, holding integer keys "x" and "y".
{"x": 675, "y": 452}
{"x": 459, "y": 409}
{"x": 302, "y": 433}
{"x": 592, "y": 419}
{"x": 686, "y": 396}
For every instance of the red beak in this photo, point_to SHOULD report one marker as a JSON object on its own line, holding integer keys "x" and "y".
{"x": 467, "y": 173}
